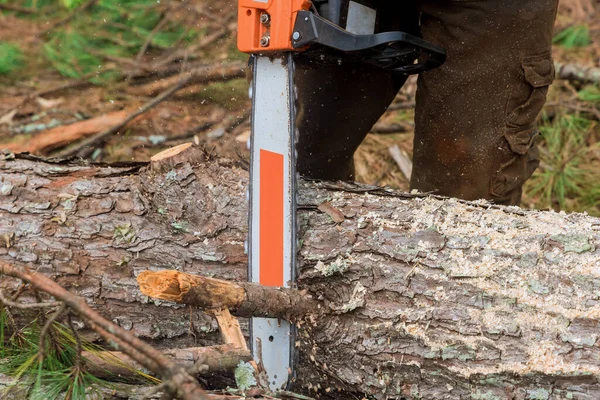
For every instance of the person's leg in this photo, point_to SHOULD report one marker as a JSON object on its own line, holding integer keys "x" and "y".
{"x": 475, "y": 116}
{"x": 338, "y": 104}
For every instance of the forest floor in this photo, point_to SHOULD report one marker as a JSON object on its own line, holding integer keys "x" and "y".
{"x": 66, "y": 62}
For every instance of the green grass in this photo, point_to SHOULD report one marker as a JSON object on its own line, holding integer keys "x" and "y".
{"x": 573, "y": 36}
{"x": 566, "y": 180}
{"x": 11, "y": 58}
{"x": 58, "y": 374}
{"x": 590, "y": 94}
{"x": 97, "y": 44}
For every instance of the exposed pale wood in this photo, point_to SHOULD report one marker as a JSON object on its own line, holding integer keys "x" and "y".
{"x": 175, "y": 286}
{"x": 230, "y": 328}
{"x": 244, "y": 298}
{"x": 168, "y": 159}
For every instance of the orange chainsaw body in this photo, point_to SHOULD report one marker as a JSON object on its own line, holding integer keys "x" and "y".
{"x": 266, "y": 26}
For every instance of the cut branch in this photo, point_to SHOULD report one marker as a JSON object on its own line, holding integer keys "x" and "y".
{"x": 206, "y": 361}
{"x": 243, "y": 299}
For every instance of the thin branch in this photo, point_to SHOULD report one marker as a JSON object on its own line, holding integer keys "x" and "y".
{"x": 46, "y": 329}
{"x": 102, "y": 136}
{"x": 163, "y": 20}
{"x": 150, "y": 393}
{"x": 203, "y": 75}
{"x": 26, "y": 306}
{"x": 79, "y": 347}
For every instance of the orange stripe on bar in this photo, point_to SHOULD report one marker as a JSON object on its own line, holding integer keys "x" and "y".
{"x": 271, "y": 218}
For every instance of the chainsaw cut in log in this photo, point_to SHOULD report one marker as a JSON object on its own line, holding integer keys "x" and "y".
{"x": 421, "y": 297}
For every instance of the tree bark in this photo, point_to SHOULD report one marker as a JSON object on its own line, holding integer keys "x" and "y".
{"x": 425, "y": 298}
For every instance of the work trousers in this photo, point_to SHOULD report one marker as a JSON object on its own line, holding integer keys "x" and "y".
{"x": 475, "y": 117}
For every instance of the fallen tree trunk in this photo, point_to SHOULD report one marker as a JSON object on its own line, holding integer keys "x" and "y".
{"x": 424, "y": 298}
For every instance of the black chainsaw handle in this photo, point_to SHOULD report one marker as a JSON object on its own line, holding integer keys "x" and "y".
{"x": 395, "y": 51}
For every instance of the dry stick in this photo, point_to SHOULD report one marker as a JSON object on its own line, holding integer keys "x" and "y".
{"x": 79, "y": 346}
{"x": 163, "y": 20}
{"x": 185, "y": 386}
{"x": 191, "y": 49}
{"x": 204, "y": 360}
{"x": 198, "y": 76}
{"x": 242, "y": 298}
{"x": 100, "y": 137}
{"x": 22, "y": 306}
{"x": 402, "y": 159}
{"x": 46, "y": 329}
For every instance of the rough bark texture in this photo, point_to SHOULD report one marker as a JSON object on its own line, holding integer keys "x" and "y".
{"x": 427, "y": 298}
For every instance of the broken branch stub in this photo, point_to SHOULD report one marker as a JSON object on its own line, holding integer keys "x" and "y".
{"x": 243, "y": 299}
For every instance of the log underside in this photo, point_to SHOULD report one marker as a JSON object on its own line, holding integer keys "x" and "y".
{"x": 426, "y": 298}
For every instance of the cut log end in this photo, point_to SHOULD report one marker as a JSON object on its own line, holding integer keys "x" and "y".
{"x": 170, "y": 158}
{"x": 163, "y": 285}
{"x": 195, "y": 290}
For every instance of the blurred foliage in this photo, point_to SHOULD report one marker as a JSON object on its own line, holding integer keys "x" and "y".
{"x": 96, "y": 44}
{"x": 566, "y": 180}
{"x": 11, "y": 57}
{"x": 590, "y": 94}
{"x": 573, "y": 36}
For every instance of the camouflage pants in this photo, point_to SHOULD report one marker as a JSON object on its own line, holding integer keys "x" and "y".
{"x": 475, "y": 116}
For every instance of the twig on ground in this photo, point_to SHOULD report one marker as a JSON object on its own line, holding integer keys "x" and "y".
{"x": 199, "y": 75}
{"x": 384, "y": 128}
{"x": 208, "y": 40}
{"x": 204, "y": 75}
{"x": 163, "y": 20}
{"x": 79, "y": 347}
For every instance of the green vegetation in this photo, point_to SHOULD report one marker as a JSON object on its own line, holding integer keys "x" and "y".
{"x": 51, "y": 367}
{"x": 573, "y": 36}
{"x": 566, "y": 180}
{"x": 97, "y": 44}
{"x": 11, "y": 57}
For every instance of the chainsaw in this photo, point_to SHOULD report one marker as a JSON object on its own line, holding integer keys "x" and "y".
{"x": 274, "y": 32}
